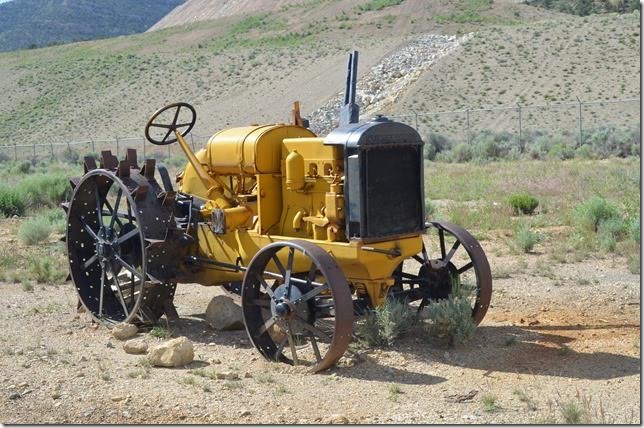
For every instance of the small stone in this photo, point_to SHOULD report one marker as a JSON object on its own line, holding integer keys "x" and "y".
{"x": 22, "y": 384}
{"x": 224, "y": 314}
{"x": 244, "y": 412}
{"x": 55, "y": 394}
{"x": 124, "y": 331}
{"x": 126, "y": 415}
{"x": 118, "y": 398}
{"x": 248, "y": 375}
{"x": 336, "y": 419}
{"x": 15, "y": 396}
{"x": 135, "y": 346}
{"x": 109, "y": 344}
{"x": 226, "y": 375}
{"x": 173, "y": 353}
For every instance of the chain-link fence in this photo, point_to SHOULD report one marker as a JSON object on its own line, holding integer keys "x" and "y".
{"x": 572, "y": 120}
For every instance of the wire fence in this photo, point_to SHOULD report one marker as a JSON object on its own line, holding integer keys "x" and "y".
{"x": 571, "y": 119}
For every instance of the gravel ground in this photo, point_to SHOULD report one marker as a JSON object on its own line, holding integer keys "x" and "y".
{"x": 569, "y": 337}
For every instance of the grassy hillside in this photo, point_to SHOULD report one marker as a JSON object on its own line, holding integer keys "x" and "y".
{"x": 35, "y": 23}
{"x": 249, "y": 69}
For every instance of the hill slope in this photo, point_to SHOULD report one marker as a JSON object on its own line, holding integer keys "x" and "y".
{"x": 205, "y": 10}
{"x": 35, "y": 23}
{"x": 248, "y": 69}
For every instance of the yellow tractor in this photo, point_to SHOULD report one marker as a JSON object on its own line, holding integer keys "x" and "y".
{"x": 311, "y": 231}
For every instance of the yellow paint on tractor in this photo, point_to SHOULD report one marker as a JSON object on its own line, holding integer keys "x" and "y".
{"x": 287, "y": 184}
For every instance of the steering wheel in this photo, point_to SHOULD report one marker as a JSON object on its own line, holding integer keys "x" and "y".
{"x": 175, "y": 125}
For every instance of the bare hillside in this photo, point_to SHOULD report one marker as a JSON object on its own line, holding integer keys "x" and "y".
{"x": 204, "y": 10}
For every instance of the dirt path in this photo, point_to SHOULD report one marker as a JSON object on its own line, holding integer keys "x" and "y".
{"x": 546, "y": 342}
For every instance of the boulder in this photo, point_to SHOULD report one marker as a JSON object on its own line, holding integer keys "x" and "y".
{"x": 135, "y": 346}
{"x": 223, "y": 313}
{"x": 124, "y": 331}
{"x": 173, "y": 353}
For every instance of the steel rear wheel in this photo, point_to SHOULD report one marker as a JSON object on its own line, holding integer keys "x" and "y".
{"x": 297, "y": 305}
{"x": 105, "y": 246}
{"x": 453, "y": 263}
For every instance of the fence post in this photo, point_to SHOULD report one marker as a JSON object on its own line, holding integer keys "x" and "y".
{"x": 51, "y": 146}
{"x": 581, "y": 129}
{"x": 34, "y": 150}
{"x": 521, "y": 148}
{"x": 117, "y": 147}
{"x": 15, "y": 151}
{"x": 468, "y": 125}
{"x": 416, "y": 121}
{"x": 93, "y": 148}
{"x": 143, "y": 148}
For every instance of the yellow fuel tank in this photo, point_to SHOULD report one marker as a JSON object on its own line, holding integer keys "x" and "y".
{"x": 250, "y": 150}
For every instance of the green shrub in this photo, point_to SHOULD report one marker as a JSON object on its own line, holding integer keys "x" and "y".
{"x": 56, "y": 217}
{"x": 34, "y": 231}
{"x": 451, "y": 319}
{"x": 609, "y": 232}
{"x": 461, "y": 153}
{"x": 23, "y": 167}
{"x": 525, "y": 238}
{"x": 12, "y": 202}
{"x": 523, "y": 203}
{"x": 594, "y": 211}
{"x": 435, "y": 144}
{"x": 45, "y": 189}
{"x": 584, "y": 152}
{"x": 634, "y": 229}
{"x": 70, "y": 155}
{"x": 429, "y": 208}
{"x": 386, "y": 323}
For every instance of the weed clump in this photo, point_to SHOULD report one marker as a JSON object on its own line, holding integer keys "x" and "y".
{"x": 11, "y": 202}
{"x": 594, "y": 211}
{"x": 34, "y": 231}
{"x": 386, "y": 324}
{"x": 45, "y": 270}
{"x": 525, "y": 238}
{"x": 523, "y": 203}
{"x": 45, "y": 189}
{"x": 451, "y": 319}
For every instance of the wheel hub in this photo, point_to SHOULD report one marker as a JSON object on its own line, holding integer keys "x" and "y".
{"x": 283, "y": 307}
{"x": 106, "y": 247}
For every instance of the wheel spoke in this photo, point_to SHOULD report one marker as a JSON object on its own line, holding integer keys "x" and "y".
{"x": 167, "y": 135}
{"x": 280, "y": 348}
{"x": 100, "y": 299}
{"x": 311, "y": 276}
{"x": 314, "y": 345}
{"x": 127, "y": 236}
{"x": 267, "y": 289}
{"x": 451, "y": 252}
{"x": 161, "y": 125}
{"x": 419, "y": 259}
{"x": 465, "y": 268}
{"x": 312, "y": 293}
{"x": 313, "y": 329}
{"x": 88, "y": 229}
{"x": 176, "y": 116}
{"x": 120, "y": 293}
{"x": 90, "y": 261}
{"x": 289, "y": 270}
{"x": 291, "y": 344}
{"x": 127, "y": 266}
{"x": 279, "y": 265}
{"x": 116, "y": 208}
{"x": 112, "y": 211}
{"x": 182, "y": 125}
{"x": 268, "y": 324}
{"x": 441, "y": 238}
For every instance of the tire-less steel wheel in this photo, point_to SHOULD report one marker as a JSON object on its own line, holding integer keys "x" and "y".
{"x": 297, "y": 305}
{"x": 122, "y": 241}
{"x": 453, "y": 263}
{"x": 105, "y": 246}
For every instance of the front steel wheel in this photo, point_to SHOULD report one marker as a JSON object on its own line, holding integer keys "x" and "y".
{"x": 297, "y": 305}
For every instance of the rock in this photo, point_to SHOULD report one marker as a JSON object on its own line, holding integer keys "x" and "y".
{"x": 15, "y": 396}
{"x": 135, "y": 346}
{"x": 248, "y": 375}
{"x": 22, "y": 384}
{"x": 227, "y": 375}
{"x": 173, "y": 353}
{"x": 336, "y": 419}
{"x": 55, "y": 394}
{"x": 244, "y": 412}
{"x": 124, "y": 331}
{"x": 224, "y": 314}
{"x": 118, "y": 398}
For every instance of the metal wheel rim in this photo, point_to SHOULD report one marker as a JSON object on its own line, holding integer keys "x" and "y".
{"x": 255, "y": 321}
{"x": 71, "y": 243}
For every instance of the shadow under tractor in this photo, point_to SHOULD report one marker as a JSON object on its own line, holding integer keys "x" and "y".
{"x": 311, "y": 231}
